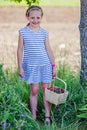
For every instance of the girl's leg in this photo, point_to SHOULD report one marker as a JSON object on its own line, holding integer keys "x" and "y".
{"x": 46, "y": 104}
{"x": 33, "y": 99}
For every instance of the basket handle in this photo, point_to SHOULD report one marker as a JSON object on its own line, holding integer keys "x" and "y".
{"x": 62, "y": 82}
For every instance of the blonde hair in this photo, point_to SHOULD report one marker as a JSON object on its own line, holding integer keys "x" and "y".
{"x": 32, "y": 8}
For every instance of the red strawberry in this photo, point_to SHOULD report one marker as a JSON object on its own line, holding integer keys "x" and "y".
{"x": 62, "y": 90}
{"x": 51, "y": 88}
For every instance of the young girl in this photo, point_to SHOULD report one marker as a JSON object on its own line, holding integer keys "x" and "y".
{"x": 38, "y": 64}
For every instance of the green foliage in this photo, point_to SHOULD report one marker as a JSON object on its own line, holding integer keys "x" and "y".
{"x": 65, "y": 114}
{"x": 29, "y": 2}
{"x": 42, "y": 2}
{"x": 15, "y": 110}
{"x": 83, "y": 125}
{"x": 83, "y": 112}
{"x": 16, "y": 0}
{"x": 83, "y": 117}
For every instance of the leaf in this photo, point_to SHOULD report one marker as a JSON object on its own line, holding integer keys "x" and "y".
{"x": 83, "y": 109}
{"x": 83, "y": 115}
{"x": 6, "y": 115}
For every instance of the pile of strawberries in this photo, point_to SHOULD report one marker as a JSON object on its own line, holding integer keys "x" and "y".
{"x": 56, "y": 89}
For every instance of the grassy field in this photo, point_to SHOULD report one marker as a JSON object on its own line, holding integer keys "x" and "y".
{"x": 15, "y": 108}
{"x": 44, "y": 3}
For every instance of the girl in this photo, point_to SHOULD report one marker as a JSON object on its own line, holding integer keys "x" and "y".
{"x": 38, "y": 64}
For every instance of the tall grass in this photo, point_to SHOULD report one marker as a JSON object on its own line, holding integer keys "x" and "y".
{"x": 14, "y": 103}
{"x": 14, "y": 112}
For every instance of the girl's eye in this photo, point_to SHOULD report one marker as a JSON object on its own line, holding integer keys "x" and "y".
{"x": 32, "y": 17}
{"x": 38, "y": 17}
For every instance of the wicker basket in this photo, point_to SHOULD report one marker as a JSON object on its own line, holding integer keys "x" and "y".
{"x": 56, "y": 98}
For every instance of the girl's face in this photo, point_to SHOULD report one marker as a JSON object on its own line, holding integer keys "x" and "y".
{"x": 35, "y": 18}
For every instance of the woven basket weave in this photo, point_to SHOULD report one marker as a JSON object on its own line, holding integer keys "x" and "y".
{"x": 56, "y": 98}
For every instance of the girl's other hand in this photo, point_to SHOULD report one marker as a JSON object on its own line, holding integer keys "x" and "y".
{"x": 21, "y": 72}
{"x": 54, "y": 72}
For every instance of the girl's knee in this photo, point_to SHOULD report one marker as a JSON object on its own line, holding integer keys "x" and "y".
{"x": 34, "y": 90}
{"x": 45, "y": 85}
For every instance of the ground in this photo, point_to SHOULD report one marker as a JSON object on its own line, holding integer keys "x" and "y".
{"x": 62, "y": 24}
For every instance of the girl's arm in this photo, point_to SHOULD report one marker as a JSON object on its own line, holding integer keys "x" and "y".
{"x": 51, "y": 56}
{"x": 49, "y": 51}
{"x": 19, "y": 55}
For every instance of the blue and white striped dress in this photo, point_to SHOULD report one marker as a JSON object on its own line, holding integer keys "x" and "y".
{"x": 36, "y": 63}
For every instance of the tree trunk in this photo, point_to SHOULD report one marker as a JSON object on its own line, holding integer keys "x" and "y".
{"x": 83, "y": 40}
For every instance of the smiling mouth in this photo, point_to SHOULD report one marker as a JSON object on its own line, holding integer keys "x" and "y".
{"x": 35, "y": 23}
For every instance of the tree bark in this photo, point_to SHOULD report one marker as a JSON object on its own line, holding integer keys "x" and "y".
{"x": 83, "y": 40}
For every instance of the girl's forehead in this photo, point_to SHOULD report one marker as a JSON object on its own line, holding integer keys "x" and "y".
{"x": 34, "y": 12}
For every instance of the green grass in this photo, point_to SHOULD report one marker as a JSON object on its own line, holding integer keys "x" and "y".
{"x": 44, "y": 3}
{"x": 15, "y": 109}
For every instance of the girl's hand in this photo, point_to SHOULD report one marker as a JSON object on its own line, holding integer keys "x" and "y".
{"x": 54, "y": 72}
{"x": 21, "y": 72}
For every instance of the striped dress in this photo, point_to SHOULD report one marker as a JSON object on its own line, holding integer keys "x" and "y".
{"x": 36, "y": 62}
